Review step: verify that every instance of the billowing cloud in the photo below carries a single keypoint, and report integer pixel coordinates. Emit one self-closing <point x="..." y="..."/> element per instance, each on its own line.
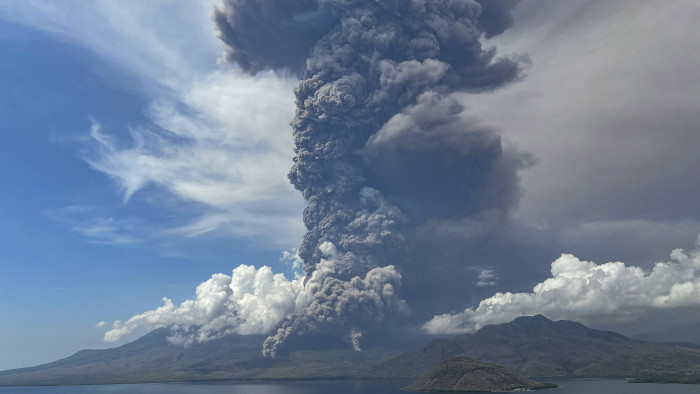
<point x="401" y="181"/>
<point x="373" y="111"/>
<point x="337" y="302"/>
<point x="275" y="34"/>
<point x="249" y="301"/>
<point x="589" y="292"/>
<point x="435" y="162"/>
<point x="256" y="301"/>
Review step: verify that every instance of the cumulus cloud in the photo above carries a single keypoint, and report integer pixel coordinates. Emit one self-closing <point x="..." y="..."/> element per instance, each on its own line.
<point x="256" y="301"/>
<point x="249" y="301"/>
<point x="589" y="292"/>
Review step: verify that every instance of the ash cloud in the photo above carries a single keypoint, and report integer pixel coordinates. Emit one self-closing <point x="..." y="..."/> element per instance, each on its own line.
<point x="273" y="34"/>
<point x="495" y="17"/>
<point x="381" y="146"/>
<point x="334" y="301"/>
<point x="254" y="301"/>
<point x="435" y="163"/>
<point x="355" y="336"/>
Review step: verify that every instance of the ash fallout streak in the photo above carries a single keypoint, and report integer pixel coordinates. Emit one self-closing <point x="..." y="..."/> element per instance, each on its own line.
<point x="381" y="145"/>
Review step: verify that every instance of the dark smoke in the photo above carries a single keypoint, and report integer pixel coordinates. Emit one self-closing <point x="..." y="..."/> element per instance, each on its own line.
<point x="495" y="17"/>
<point x="380" y="144"/>
<point x="274" y="34"/>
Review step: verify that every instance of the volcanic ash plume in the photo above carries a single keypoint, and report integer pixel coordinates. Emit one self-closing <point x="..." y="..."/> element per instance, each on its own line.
<point x="355" y="336"/>
<point x="365" y="67"/>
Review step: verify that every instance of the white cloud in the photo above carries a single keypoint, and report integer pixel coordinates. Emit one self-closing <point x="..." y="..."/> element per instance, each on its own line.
<point x="229" y="150"/>
<point x="100" y="324"/>
<point x="255" y="301"/>
<point x="163" y="42"/>
<point x="589" y="292"/>
<point x="107" y="230"/>
<point x="219" y="138"/>
<point x="250" y="301"/>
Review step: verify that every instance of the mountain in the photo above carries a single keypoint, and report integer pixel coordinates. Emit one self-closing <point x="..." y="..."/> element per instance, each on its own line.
<point x="152" y="358"/>
<point x="533" y="346"/>
<point x="538" y="347"/>
<point x="461" y="373"/>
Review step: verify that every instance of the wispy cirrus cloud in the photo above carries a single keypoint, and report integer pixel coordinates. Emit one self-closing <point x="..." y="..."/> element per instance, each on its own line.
<point x="218" y="147"/>
<point x="98" y="226"/>
<point x="144" y="37"/>
<point x="217" y="142"/>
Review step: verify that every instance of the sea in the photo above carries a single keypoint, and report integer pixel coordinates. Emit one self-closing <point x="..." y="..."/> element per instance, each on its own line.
<point x="569" y="386"/>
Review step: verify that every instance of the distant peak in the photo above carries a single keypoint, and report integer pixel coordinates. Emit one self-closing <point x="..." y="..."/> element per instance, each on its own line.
<point x="529" y="319"/>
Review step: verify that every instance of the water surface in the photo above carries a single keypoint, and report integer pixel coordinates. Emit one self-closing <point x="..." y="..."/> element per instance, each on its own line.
<point x="566" y="386"/>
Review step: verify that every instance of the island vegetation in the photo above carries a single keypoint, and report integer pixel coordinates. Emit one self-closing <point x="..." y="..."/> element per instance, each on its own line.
<point x="461" y="373"/>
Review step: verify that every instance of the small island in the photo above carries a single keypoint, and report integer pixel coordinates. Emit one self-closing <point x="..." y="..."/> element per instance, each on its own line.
<point x="677" y="376"/>
<point x="461" y="373"/>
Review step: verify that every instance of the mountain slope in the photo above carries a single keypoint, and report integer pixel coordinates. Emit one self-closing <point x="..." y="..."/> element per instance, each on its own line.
<point x="533" y="346"/>
<point x="538" y="347"/>
<point x="152" y="358"/>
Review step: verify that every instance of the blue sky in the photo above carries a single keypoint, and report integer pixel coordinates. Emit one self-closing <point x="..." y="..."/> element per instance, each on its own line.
<point x="76" y="249"/>
<point x="135" y="165"/>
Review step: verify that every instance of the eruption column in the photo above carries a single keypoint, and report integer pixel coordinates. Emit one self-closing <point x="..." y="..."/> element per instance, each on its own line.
<point x="374" y="74"/>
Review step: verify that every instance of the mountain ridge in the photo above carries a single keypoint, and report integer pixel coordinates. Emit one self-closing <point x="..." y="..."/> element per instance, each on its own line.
<point x="538" y="347"/>
<point x="532" y="345"/>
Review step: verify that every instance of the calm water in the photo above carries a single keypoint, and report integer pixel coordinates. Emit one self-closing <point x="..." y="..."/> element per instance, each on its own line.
<point x="569" y="386"/>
